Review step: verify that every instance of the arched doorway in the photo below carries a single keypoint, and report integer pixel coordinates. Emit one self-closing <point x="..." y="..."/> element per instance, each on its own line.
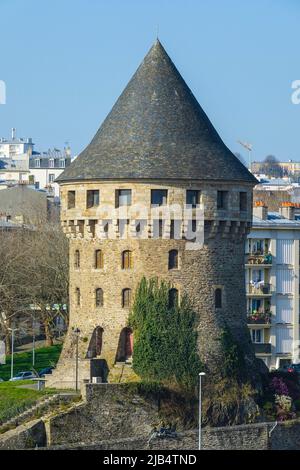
<point x="125" y="346"/>
<point x="95" y="346"/>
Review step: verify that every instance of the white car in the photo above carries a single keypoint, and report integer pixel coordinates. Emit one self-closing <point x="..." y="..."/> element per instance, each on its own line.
<point x="23" y="376"/>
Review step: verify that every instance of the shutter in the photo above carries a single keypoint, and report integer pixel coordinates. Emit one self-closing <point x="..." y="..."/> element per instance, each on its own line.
<point x="284" y="311"/>
<point x="284" y="251"/>
<point x="284" y="339"/>
<point x="285" y="281"/>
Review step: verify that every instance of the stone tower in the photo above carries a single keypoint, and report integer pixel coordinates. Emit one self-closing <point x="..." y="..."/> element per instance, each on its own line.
<point x="156" y="146"/>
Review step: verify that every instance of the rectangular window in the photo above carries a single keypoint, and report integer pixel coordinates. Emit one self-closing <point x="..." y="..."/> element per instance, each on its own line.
<point x="51" y="177"/>
<point x="71" y="199"/>
<point x="222" y="200"/>
<point x="123" y="197"/>
<point x="243" y="201"/>
<point x="92" y="198"/>
<point x="257" y="336"/>
<point x="192" y="197"/>
<point x="159" y="197"/>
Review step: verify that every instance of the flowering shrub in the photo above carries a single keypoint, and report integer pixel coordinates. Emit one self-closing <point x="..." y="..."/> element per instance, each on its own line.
<point x="279" y="387"/>
<point x="284" y="402"/>
<point x="257" y="316"/>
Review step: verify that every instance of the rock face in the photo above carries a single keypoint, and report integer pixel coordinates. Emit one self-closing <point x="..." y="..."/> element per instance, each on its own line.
<point x="157" y="138"/>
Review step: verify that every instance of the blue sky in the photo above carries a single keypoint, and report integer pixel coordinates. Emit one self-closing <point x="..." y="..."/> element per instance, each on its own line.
<point x="65" y="62"/>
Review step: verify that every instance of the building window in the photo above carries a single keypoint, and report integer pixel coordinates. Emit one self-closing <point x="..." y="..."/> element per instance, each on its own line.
<point x="218" y="298"/>
<point x="243" y="201"/>
<point x="37" y="185"/>
<point x="71" y="199"/>
<point x="99" y="297"/>
<point x="51" y="162"/>
<point x="92" y="198"/>
<point x="222" y="199"/>
<point x="173" y="298"/>
<point x="37" y="162"/>
<point x="173" y="259"/>
<point x="123" y="197"/>
<point x="257" y="336"/>
<point x="99" y="262"/>
<point x="159" y="197"/>
<point x="62" y="163"/>
<point x="51" y="177"/>
<point x="127" y="262"/>
<point x="193" y="197"/>
<point x="77" y="259"/>
<point x="78" y="297"/>
<point x="126" y="298"/>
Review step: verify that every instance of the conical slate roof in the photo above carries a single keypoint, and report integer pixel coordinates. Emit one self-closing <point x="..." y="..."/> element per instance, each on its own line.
<point x="157" y="130"/>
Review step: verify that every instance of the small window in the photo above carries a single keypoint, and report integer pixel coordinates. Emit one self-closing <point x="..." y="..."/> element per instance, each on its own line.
<point x="99" y="261"/>
<point x="243" y="201"/>
<point x="218" y="298"/>
<point x="51" y="178"/>
<point x="193" y="197"/>
<point x="77" y="259"/>
<point x="173" y="259"/>
<point x="256" y="336"/>
<point x="62" y="163"/>
<point x="71" y="199"/>
<point x="92" y="198"/>
<point x="173" y="298"/>
<point x="127" y="260"/>
<point x="37" y="162"/>
<point x="159" y="197"/>
<point x="222" y="199"/>
<point x="99" y="297"/>
<point x="78" y="296"/>
<point x="123" y="197"/>
<point x="126" y="298"/>
<point x="51" y="162"/>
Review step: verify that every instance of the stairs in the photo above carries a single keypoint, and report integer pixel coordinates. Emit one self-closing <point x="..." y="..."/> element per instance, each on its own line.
<point x="41" y="407"/>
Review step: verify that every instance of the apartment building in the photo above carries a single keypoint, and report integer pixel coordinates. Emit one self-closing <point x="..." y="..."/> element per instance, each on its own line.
<point x="272" y="284"/>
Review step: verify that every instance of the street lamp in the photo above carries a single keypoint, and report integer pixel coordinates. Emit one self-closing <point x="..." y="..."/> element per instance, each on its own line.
<point x="77" y="332"/>
<point x="201" y="374"/>
<point x="12" y="350"/>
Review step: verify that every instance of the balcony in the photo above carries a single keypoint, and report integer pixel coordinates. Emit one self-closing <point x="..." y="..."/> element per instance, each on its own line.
<point x="259" y="317"/>
<point x="259" y="258"/>
<point x="259" y="289"/>
<point x="262" y="348"/>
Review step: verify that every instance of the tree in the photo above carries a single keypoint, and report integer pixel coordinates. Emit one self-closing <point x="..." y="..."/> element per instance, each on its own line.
<point x="271" y="167"/>
<point x="165" y="339"/>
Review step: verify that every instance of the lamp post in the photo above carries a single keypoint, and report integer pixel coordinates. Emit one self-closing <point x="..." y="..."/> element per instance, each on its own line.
<point x="201" y="374"/>
<point x="12" y="350"/>
<point x="77" y="332"/>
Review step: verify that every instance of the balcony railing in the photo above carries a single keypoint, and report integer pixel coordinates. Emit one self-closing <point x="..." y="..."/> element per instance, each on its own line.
<point x="259" y="288"/>
<point x="259" y="258"/>
<point x="259" y="317"/>
<point x="262" y="348"/>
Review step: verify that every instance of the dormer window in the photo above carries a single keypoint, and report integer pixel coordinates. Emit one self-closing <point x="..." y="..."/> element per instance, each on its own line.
<point x="51" y="162"/>
<point x="37" y="162"/>
<point x="62" y="163"/>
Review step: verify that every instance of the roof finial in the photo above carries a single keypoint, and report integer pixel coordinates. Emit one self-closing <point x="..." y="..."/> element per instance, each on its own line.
<point x="157" y="31"/>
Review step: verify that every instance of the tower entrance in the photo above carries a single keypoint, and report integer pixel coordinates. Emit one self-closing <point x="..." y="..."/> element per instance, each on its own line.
<point x="125" y="346"/>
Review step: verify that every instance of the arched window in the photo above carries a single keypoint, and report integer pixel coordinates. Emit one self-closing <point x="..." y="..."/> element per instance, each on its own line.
<point x="218" y="298"/>
<point x="173" y="259"/>
<point x="99" y="262"/>
<point x="173" y="298"/>
<point x="78" y="296"/>
<point x="127" y="259"/>
<point x="99" y="297"/>
<point x="126" y="298"/>
<point x="77" y="259"/>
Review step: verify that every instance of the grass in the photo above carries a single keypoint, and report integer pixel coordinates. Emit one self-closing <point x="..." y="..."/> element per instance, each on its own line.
<point x="14" y="400"/>
<point x="44" y="357"/>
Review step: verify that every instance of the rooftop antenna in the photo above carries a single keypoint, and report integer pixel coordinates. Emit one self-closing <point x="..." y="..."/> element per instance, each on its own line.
<point x="249" y="147"/>
<point x="13" y="133"/>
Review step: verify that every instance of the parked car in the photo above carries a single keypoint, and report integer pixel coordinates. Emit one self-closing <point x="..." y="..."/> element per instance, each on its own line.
<point x="46" y="370"/>
<point x="292" y="368"/>
<point x="27" y="375"/>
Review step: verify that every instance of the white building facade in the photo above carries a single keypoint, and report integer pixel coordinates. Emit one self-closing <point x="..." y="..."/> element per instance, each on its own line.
<point x="272" y="285"/>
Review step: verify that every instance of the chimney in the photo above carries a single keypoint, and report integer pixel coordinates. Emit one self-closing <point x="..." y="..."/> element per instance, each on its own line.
<point x="287" y="210"/>
<point x="260" y="210"/>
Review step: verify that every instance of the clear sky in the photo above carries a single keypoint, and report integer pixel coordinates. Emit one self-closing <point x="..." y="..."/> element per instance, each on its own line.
<point x="65" y="62"/>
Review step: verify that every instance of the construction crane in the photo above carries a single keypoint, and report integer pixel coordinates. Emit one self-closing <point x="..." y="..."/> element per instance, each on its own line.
<point x="249" y="147"/>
